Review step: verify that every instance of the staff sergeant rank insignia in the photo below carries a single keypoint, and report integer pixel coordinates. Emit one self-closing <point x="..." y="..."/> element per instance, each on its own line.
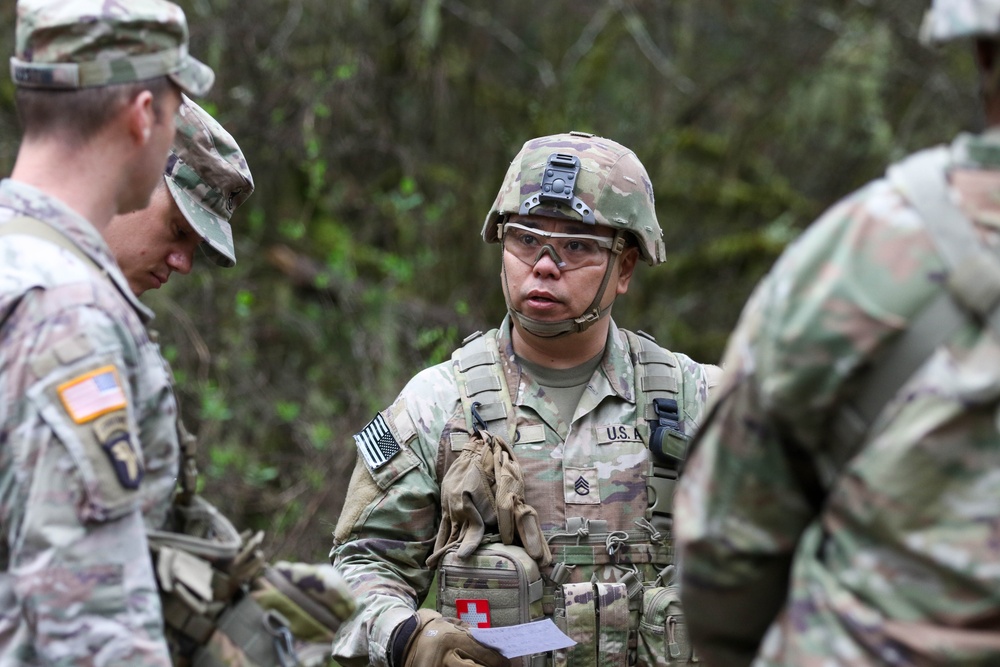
<point x="376" y="444"/>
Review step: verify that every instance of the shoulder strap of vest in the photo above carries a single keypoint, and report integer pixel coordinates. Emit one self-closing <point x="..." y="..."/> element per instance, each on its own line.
<point x="481" y="384"/>
<point x="32" y="227"/>
<point x="27" y="226"/>
<point x="657" y="375"/>
<point x="659" y="389"/>
<point x="973" y="289"/>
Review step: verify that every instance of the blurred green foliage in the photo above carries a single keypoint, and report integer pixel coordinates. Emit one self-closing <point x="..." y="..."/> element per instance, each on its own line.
<point x="378" y="133"/>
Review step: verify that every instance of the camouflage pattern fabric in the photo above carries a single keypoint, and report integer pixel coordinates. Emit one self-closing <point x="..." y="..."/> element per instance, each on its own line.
<point x="611" y="182"/>
<point x="86" y="43"/>
<point x="312" y="597"/>
<point x="90" y="453"/>
<point x="592" y="476"/>
<point x="208" y="178"/>
<point x="953" y="19"/>
<point x="898" y="566"/>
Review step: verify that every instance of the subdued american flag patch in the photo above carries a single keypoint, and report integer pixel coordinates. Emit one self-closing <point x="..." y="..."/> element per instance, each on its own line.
<point x="376" y="443"/>
<point x="92" y="394"/>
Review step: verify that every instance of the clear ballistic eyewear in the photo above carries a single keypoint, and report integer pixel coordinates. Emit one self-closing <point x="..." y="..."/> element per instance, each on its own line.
<point x="568" y="251"/>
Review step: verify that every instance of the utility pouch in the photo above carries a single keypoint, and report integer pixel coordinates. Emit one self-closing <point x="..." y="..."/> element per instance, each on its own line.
<point x="663" y="633"/>
<point x="247" y="636"/>
<point x="576" y="615"/>
<point x="596" y="617"/>
<point x="202" y="567"/>
<point x="313" y="598"/>
<point x="498" y="585"/>
<point x="612" y="624"/>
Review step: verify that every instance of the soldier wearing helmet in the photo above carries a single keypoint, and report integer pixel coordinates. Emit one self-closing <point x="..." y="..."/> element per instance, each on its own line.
<point x="840" y="505"/>
<point x="586" y="423"/>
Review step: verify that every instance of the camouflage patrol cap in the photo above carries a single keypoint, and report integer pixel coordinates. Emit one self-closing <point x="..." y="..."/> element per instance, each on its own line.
<point x="956" y="19"/>
<point x="67" y="44"/>
<point x="611" y="188"/>
<point x="208" y="178"/>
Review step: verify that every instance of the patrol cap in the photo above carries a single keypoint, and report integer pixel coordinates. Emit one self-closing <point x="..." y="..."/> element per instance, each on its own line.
<point x="208" y="178"/>
<point x="69" y="44"/>
<point x="955" y="19"/>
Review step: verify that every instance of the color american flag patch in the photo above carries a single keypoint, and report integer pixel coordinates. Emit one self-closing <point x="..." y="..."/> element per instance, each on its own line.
<point x="376" y="443"/>
<point x="93" y="394"/>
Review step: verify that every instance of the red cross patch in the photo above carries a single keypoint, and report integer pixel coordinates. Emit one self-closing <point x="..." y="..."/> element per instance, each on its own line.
<point x="476" y="613"/>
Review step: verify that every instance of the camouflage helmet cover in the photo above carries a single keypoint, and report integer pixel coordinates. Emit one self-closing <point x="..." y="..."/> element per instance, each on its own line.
<point x="208" y="178"/>
<point x="956" y="19"/>
<point x="612" y="184"/>
<point x="67" y="44"/>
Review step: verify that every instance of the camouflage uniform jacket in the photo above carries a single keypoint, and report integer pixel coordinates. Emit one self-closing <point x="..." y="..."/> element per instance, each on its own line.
<point x="89" y="450"/>
<point x="899" y="563"/>
<point x="381" y="550"/>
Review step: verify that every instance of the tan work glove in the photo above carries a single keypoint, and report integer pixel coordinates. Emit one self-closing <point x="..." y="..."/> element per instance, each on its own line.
<point x="468" y="504"/>
<point x="512" y="512"/>
<point x="484" y="490"/>
<point x="439" y="641"/>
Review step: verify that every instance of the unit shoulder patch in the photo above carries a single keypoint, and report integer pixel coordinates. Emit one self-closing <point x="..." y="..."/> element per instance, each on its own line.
<point x="113" y="436"/>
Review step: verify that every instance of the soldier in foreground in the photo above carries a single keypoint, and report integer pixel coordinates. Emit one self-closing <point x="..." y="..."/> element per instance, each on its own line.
<point x="591" y="416"/>
<point x="87" y="421"/>
<point x="841" y="504"/>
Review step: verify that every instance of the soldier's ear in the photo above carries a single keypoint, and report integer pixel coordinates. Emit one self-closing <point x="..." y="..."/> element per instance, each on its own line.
<point x="629" y="258"/>
<point x="140" y="115"/>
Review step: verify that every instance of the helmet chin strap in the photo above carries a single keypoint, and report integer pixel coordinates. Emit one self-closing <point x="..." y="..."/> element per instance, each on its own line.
<point x="590" y="316"/>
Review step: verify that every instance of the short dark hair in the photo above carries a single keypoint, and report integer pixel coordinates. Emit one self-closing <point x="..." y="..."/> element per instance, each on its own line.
<point x="78" y="114"/>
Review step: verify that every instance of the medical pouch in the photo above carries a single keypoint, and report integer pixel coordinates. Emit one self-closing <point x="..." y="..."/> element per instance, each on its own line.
<point x="498" y="585"/>
<point x="663" y="633"/>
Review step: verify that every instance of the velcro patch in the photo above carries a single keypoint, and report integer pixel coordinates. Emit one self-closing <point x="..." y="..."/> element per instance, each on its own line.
<point x="610" y="433"/>
<point x="114" y="437"/>
<point x="376" y="444"/>
<point x="92" y="394"/>
<point x="581" y="486"/>
<point x="476" y="613"/>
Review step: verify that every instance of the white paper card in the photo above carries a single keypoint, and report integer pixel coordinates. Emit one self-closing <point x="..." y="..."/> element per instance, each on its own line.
<point x="516" y="640"/>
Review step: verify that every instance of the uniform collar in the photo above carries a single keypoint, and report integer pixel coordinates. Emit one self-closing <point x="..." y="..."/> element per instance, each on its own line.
<point x="614" y="375"/>
<point x="34" y="203"/>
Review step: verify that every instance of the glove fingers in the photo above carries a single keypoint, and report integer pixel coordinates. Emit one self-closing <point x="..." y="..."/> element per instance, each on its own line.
<point x="473" y="532"/>
<point x="531" y="535"/>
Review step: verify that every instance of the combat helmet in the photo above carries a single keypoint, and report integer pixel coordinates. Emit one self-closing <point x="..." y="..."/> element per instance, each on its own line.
<point x="611" y="189"/>
<point x="582" y="177"/>
<point x="956" y="19"/>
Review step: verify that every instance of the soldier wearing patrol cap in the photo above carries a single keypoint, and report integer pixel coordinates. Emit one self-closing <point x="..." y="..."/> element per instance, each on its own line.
<point x="205" y="181"/>
<point x="583" y="424"/>
<point x="87" y="416"/>
<point x="840" y="505"/>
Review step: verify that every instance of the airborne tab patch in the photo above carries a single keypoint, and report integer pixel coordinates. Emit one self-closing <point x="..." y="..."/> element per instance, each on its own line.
<point x="376" y="443"/>
<point x="92" y="394"/>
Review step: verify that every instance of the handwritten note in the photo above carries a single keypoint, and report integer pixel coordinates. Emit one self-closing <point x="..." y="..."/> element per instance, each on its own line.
<point x="516" y="640"/>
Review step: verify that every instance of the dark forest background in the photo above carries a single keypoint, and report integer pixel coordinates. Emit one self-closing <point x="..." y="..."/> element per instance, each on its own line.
<point x="378" y="132"/>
